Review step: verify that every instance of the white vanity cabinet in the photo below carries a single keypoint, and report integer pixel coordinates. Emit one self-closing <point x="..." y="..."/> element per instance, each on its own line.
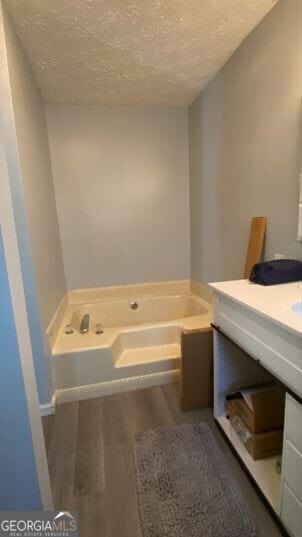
<point x="291" y="477"/>
<point x="257" y="326"/>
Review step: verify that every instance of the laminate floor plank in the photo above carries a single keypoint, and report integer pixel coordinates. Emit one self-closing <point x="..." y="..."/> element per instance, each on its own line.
<point x="93" y="518"/>
<point x="149" y="410"/>
<point x="117" y="420"/>
<point x="47" y="424"/>
<point x="120" y="498"/>
<point x="89" y="464"/>
<point x="61" y="455"/>
<point x="171" y="394"/>
<point x="91" y="449"/>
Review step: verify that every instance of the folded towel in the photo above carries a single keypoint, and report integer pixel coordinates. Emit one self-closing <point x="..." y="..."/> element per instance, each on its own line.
<point x="277" y="271"/>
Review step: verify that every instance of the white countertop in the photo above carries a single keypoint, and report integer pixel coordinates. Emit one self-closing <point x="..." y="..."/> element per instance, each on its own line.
<point x="274" y="302"/>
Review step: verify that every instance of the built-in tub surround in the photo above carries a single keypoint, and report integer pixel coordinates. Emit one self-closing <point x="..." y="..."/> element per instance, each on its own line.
<point x="136" y="346"/>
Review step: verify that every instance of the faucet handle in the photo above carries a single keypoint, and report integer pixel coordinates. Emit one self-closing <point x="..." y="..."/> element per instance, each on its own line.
<point x="99" y="329"/>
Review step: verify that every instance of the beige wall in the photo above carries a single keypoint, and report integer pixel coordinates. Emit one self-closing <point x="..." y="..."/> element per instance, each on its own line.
<point x="246" y="149"/>
<point x="36" y="175"/>
<point x="122" y="189"/>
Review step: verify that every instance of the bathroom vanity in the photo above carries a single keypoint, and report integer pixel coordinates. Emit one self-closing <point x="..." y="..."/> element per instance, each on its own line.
<point x="257" y="337"/>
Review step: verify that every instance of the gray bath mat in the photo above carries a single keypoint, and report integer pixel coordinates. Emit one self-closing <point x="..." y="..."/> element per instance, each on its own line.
<point x="185" y="487"/>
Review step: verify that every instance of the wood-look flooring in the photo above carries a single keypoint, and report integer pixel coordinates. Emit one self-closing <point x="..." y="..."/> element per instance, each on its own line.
<point x="90" y="454"/>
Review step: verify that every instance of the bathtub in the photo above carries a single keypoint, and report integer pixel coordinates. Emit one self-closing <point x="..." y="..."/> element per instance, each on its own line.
<point x="133" y="339"/>
<point x="124" y="312"/>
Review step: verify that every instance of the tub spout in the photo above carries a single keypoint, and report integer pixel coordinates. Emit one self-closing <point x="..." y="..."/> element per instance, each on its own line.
<point x="84" y="328"/>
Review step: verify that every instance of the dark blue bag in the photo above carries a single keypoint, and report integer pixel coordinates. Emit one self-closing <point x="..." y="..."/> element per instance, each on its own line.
<point x="277" y="271"/>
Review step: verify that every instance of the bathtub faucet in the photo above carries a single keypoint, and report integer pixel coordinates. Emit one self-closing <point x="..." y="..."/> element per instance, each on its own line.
<point x="84" y="328"/>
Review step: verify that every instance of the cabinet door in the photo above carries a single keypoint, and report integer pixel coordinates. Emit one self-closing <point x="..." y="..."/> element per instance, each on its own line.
<point x="291" y="495"/>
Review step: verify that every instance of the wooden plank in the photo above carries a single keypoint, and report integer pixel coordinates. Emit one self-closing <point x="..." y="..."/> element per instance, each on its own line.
<point x="256" y="242"/>
<point x="61" y="456"/>
<point x="93" y="516"/>
<point x="118" y="423"/>
<point x="47" y="423"/>
<point x="89" y="465"/>
<point x="120" y="500"/>
<point x="149" y="409"/>
<point x="196" y="369"/>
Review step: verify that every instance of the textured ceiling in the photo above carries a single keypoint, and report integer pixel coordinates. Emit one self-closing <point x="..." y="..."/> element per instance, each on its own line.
<point x="130" y="52"/>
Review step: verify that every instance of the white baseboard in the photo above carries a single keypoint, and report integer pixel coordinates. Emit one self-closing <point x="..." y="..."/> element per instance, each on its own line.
<point x="115" y="386"/>
<point x="49" y="408"/>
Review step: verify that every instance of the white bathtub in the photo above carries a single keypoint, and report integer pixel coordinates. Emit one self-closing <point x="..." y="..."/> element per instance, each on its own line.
<point x="138" y="347"/>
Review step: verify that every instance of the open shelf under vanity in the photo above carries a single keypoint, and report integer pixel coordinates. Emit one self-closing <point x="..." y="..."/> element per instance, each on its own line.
<point x="263" y="471"/>
<point x="235" y="369"/>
